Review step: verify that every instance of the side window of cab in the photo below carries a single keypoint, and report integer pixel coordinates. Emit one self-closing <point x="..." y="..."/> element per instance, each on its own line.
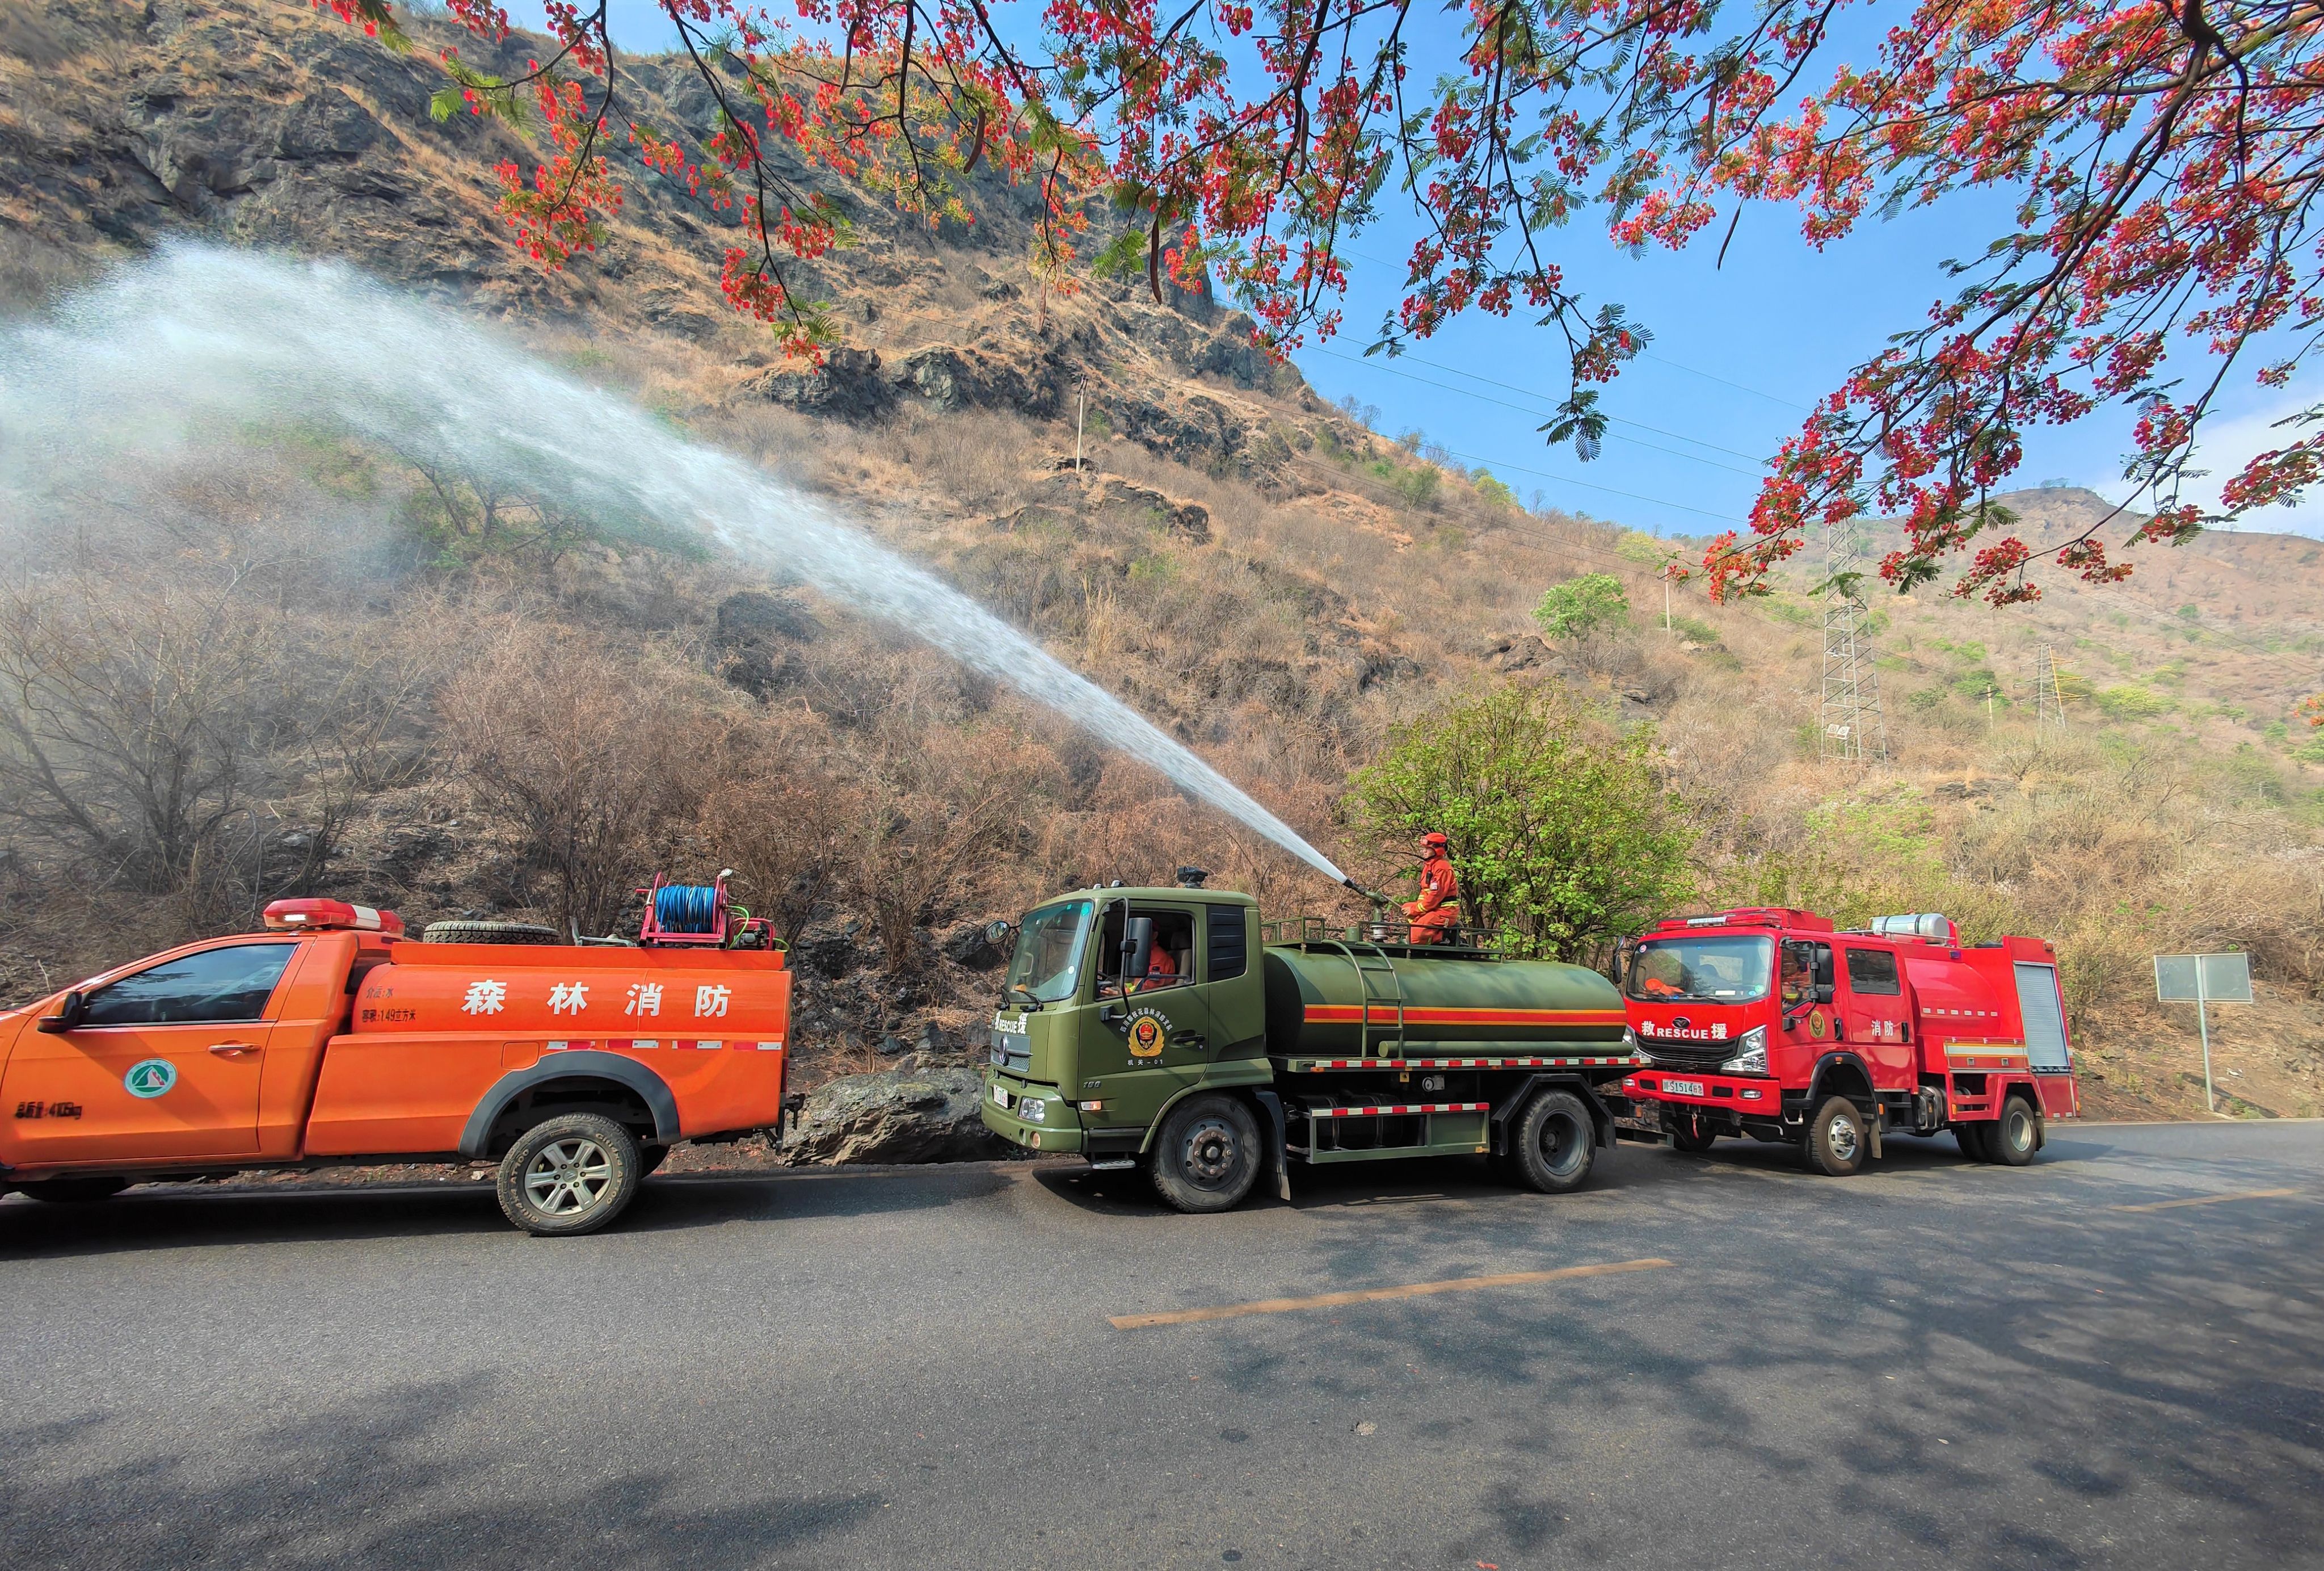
<point x="1872" y="973"/>
<point x="212" y="987"/>
<point x="1173" y="962"/>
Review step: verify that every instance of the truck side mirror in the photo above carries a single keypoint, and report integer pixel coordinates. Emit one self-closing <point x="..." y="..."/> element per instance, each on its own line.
<point x="68" y="1015"/>
<point x="1137" y="950"/>
<point x="1824" y="992"/>
<point x="997" y="931"/>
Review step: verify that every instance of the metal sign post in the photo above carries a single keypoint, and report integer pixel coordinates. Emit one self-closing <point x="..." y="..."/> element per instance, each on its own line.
<point x="2203" y="980"/>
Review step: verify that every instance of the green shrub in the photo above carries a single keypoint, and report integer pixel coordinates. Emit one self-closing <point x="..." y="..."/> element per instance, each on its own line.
<point x="1581" y="608"/>
<point x="1568" y="841"/>
<point x="2131" y="701"/>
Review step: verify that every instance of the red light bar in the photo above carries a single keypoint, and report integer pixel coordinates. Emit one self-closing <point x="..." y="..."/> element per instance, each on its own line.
<point x="291" y="916"/>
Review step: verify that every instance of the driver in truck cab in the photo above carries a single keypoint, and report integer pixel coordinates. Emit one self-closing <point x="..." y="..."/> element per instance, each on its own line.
<point x="1161" y="971"/>
<point x="1437" y="912"/>
<point x="1797" y="985"/>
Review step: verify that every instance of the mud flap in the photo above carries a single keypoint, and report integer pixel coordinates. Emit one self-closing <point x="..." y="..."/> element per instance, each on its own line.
<point x="1880" y="1119"/>
<point x="1277" y="1157"/>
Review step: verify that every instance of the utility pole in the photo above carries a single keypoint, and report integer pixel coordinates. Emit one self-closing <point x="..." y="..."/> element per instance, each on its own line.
<point x="1853" y="728"/>
<point x="2049" y="708"/>
<point x="1081" y="408"/>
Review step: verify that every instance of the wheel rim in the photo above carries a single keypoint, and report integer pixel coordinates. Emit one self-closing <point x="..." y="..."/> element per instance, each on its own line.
<point x="568" y="1176"/>
<point x="1843" y="1138"/>
<point x="2020" y="1131"/>
<point x="1562" y="1146"/>
<point x="1211" y="1154"/>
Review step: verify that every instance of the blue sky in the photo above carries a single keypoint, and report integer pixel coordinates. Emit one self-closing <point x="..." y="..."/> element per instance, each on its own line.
<point x="1740" y="353"/>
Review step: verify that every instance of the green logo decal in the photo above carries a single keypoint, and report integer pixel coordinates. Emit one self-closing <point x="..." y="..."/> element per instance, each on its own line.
<point x="150" y="1079"/>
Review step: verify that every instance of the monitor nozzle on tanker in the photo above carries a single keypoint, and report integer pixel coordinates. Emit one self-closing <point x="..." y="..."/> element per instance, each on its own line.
<point x="1381" y="903"/>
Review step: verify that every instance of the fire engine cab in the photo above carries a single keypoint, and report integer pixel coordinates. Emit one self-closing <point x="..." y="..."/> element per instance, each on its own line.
<point x="1767" y="1023"/>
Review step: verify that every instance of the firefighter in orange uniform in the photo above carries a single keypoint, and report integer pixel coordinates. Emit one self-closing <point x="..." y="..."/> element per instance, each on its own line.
<point x="1161" y="971"/>
<point x="1437" y="912"/>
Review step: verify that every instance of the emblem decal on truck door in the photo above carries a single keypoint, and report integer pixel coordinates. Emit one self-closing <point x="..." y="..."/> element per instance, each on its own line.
<point x="150" y="1079"/>
<point x="1146" y="1030"/>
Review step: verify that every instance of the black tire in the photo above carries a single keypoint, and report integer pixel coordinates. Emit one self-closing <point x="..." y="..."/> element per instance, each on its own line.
<point x="2012" y="1142"/>
<point x="1838" y="1142"/>
<point x="74" y="1191"/>
<point x="1208" y="1155"/>
<point x="1691" y="1132"/>
<point x="569" y="1175"/>
<point x="1553" y="1143"/>
<point x="488" y="933"/>
<point x="1970" y="1138"/>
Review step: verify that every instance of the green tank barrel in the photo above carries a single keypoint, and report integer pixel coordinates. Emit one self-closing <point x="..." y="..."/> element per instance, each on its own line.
<point x="1332" y="999"/>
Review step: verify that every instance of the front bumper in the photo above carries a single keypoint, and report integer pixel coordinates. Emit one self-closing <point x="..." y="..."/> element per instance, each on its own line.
<point x="1753" y="1095"/>
<point x="1057" y="1130"/>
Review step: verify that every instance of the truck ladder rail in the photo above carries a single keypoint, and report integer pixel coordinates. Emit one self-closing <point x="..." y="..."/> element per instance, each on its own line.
<point x="1366" y="976"/>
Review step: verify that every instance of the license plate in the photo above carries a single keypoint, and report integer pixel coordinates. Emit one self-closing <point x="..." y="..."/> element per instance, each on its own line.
<point x="1000" y="1094"/>
<point x="1684" y="1088"/>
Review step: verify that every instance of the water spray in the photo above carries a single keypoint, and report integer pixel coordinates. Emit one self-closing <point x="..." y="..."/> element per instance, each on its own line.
<point x="165" y="351"/>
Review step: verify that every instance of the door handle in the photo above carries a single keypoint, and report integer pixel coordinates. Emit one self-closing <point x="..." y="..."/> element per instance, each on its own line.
<point x="1187" y="1040"/>
<point x="232" y="1050"/>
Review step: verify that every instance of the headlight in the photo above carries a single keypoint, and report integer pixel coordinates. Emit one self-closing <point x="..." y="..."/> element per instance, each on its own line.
<point x="1753" y="1058"/>
<point x="1033" y="1109"/>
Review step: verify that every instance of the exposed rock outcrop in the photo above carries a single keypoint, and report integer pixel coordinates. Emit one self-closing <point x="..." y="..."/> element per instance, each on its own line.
<point x="905" y="1115"/>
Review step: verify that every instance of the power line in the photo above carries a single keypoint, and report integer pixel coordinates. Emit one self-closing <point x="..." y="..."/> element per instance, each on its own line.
<point x="1504" y="403"/>
<point x="1568" y="480"/>
<point x="1723" y="382"/>
<point x="1644" y="354"/>
<point x="1533" y="393"/>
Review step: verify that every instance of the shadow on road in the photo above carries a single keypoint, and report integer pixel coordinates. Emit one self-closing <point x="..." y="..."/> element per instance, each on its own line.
<point x="188" y="1216"/>
<point x="375" y="1483"/>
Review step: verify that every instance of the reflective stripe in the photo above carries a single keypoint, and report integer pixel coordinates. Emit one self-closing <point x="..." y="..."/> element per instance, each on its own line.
<point x="1398" y="1108"/>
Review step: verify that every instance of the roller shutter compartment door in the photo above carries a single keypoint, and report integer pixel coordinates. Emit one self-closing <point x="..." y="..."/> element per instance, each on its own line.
<point x="2045" y="1018"/>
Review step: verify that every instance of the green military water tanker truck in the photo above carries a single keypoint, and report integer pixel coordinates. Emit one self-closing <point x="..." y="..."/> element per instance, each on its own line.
<point x="1170" y="1030"/>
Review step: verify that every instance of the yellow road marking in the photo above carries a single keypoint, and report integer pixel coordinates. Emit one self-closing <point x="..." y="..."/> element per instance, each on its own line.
<point x="2210" y="1199"/>
<point x="1375" y="1295"/>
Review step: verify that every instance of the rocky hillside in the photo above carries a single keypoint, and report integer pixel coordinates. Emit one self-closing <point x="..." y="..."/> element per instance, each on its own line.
<point x="1267" y="580"/>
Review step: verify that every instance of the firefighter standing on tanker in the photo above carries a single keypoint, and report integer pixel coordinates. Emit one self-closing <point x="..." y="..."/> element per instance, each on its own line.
<point x="1437" y="912"/>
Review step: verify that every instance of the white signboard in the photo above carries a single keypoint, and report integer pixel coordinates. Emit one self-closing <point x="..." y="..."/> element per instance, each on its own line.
<point x="2203" y="978"/>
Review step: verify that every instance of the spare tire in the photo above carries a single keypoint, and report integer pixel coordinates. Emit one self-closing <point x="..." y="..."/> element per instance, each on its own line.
<point x="488" y="933"/>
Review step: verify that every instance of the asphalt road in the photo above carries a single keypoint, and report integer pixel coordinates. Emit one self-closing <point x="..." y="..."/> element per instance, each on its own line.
<point x="2115" y="1357"/>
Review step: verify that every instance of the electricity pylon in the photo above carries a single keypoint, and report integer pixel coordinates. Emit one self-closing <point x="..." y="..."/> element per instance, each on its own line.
<point x="1853" y="727"/>
<point x="2049" y="708"/>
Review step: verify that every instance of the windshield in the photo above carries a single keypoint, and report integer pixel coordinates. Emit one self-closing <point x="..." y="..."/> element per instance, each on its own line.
<point x="1047" y="962"/>
<point x="1727" y="969"/>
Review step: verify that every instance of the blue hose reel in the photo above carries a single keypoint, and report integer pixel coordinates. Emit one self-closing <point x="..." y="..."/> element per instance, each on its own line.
<point x="686" y="907"/>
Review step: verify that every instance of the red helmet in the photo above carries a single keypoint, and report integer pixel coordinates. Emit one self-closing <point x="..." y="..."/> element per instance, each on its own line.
<point x="1434" y="838"/>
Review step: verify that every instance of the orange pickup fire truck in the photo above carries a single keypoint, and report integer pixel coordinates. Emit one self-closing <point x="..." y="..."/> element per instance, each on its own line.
<point x="330" y="1037"/>
<point x="1768" y="1023"/>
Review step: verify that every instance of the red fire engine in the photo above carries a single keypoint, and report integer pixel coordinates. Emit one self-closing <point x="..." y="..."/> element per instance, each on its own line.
<point x="1766" y="1022"/>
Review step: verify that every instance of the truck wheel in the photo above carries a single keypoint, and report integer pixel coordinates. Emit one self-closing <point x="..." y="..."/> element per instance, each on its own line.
<point x="569" y="1175"/>
<point x="1970" y="1138"/>
<point x="488" y="933"/>
<point x="74" y="1191"/>
<point x="1555" y="1142"/>
<point x="2012" y="1141"/>
<point x="1836" y="1142"/>
<point x="1691" y="1133"/>
<point x="1207" y="1156"/>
